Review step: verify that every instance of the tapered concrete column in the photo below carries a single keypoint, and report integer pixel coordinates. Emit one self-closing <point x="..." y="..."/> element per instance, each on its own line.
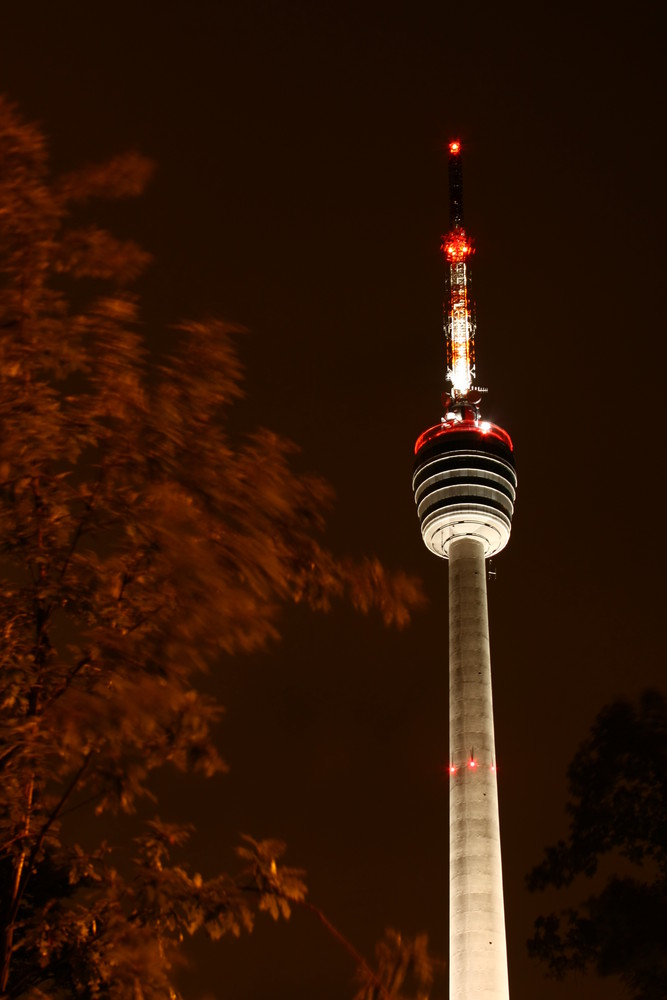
<point x="478" y="952"/>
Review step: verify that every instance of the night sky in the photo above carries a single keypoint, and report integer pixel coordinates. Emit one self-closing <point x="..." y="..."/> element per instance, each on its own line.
<point x="301" y="191"/>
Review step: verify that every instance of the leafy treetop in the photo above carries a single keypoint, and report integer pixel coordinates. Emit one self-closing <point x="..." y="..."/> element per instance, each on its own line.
<point x="618" y="813"/>
<point x="139" y="544"/>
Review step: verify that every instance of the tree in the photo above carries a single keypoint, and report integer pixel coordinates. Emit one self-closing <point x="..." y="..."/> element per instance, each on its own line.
<point x="139" y="546"/>
<point x="618" y="814"/>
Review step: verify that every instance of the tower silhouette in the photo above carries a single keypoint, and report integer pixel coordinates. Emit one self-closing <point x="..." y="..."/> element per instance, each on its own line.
<point x="464" y="484"/>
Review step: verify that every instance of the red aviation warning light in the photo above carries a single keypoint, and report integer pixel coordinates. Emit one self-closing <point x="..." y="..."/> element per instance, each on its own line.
<point x="455" y="146"/>
<point x="456" y="246"/>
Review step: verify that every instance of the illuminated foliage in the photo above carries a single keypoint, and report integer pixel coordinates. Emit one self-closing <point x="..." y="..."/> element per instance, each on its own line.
<point x="403" y="964"/>
<point x="139" y="545"/>
<point x="618" y="819"/>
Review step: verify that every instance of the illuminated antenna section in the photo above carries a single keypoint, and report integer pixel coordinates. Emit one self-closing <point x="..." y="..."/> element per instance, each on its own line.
<point x="459" y="318"/>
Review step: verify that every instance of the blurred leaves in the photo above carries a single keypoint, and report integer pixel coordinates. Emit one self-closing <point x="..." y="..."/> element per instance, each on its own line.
<point x="401" y="964"/>
<point x="140" y="544"/>
<point x="124" y="176"/>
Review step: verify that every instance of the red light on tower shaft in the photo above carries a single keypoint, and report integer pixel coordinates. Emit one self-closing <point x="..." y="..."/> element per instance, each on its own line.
<point x="457" y="246"/>
<point x="455" y="147"/>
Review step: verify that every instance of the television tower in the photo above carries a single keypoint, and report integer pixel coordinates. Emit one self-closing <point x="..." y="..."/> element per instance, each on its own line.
<point x="464" y="484"/>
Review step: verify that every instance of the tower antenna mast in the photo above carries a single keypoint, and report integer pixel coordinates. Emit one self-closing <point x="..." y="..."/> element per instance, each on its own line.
<point x="465" y="485"/>
<point x="459" y="311"/>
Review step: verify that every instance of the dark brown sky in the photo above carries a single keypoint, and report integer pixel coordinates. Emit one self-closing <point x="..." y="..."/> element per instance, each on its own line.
<point x="302" y="191"/>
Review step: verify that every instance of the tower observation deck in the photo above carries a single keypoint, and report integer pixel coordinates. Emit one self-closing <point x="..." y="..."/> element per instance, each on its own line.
<point x="465" y="485"/>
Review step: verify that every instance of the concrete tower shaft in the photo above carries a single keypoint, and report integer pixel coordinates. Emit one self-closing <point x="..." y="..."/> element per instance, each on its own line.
<point x="478" y="952"/>
<point x="464" y="484"/>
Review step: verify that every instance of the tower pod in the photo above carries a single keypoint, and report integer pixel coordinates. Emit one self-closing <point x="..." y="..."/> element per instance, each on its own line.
<point x="464" y="484"/>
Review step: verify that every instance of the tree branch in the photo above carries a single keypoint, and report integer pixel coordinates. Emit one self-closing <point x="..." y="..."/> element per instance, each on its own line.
<point x="350" y="949"/>
<point x="26" y="870"/>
